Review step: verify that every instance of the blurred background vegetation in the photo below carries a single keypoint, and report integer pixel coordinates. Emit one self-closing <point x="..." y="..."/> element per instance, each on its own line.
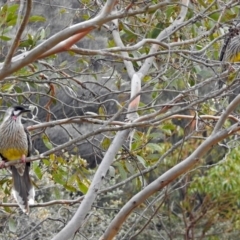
<point x="201" y="204"/>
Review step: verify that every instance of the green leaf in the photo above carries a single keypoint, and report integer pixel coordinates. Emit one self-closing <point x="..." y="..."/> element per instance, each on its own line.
<point x="12" y="22"/>
<point x="8" y="209"/>
<point x="62" y="10"/>
<point x="20" y="99"/>
<point x="63" y="64"/>
<point x="5" y="38"/>
<point x="130" y="167"/>
<point x="37" y="170"/>
<point x="155" y="32"/>
<point x="153" y="156"/>
<point x="154" y="135"/>
<point x="46" y="142"/>
<point x="102" y="111"/>
<point x="168" y="126"/>
<point x="46" y="162"/>
<point x="7" y="87"/>
<point x="58" y="178"/>
<point x="12" y="8"/>
<point x="42" y="34"/>
<point x="111" y="44"/>
<point x="12" y="224"/>
<point x="147" y="78"/>
<point x="61" y="160"/>
<point x="5" y="200"/>
<point x="142" y="161"/>
<point x="105" y="143"/>
<point x="71" y="53"/>
<point x="37" y="19"/>
<point x="18" y="89"/>
<point x="82" y="187"/>
<point x="85" y="16"/>
<point x="121" y="170"/>
<point x="154" y="147"/>
<point x="70" y="188"/>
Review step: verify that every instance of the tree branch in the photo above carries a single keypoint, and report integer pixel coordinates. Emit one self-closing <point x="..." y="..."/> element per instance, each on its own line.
<point x="28" y="57"/>
<point x="119" y="43"/>
<point x="225" y="114"/>
<point x="168" y="177"/>
<point x="66" y="44"/>
<point x="16" y="40"/>
<point x="77" y="220"/>
<point x="164" y="34"/>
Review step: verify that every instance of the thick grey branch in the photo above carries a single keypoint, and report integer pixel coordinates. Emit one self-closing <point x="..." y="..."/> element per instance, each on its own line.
<point x="77" y="220"/>
<point x="225" y="114"/>
<point x="165" y="179"/>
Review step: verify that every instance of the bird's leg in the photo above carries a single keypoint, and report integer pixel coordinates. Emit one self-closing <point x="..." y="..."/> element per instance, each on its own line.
<point x="2" y="164"/>
<point x="23" y="158"/>
<point x="21" y="166"/>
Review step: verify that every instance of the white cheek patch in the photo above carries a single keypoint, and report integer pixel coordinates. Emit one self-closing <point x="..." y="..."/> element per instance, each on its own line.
<point x="16" y="113"/>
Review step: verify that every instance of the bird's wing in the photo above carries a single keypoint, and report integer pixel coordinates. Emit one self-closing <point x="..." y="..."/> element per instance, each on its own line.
<point x="29" y="142"/>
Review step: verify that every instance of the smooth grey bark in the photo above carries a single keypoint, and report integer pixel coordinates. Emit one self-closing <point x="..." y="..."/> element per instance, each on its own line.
<point x="84" y="208"/>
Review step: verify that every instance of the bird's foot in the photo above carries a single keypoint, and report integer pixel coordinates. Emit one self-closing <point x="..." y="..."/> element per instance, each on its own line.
<point x="2" y="164"/>
<point x="23" y="159"/>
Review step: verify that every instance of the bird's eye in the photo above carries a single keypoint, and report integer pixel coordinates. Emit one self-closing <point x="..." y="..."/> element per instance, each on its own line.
<point x="16" y="113"/>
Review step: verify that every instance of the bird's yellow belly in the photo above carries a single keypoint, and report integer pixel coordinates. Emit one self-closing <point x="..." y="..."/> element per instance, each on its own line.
<point x="12" y="154"/>
<point x="236" y="58"/>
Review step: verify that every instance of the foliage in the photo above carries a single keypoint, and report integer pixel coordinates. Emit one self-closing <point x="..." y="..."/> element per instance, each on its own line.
<point x="80" y="93"/>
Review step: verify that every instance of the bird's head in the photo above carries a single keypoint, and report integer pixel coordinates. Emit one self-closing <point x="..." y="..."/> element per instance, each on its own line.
<point x="15" y="112"/>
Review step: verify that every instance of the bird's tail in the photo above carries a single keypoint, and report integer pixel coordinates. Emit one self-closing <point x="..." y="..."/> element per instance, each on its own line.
<point x="23" y="190"/>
